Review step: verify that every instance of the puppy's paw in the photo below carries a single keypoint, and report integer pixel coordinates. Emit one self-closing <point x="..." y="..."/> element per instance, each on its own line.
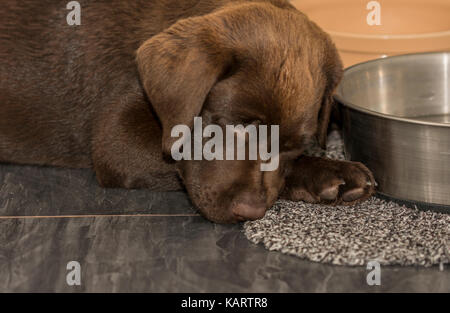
<point x="320" y="180"/>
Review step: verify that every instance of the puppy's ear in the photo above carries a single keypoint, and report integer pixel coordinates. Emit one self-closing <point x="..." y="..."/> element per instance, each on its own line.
<point x="333" y="73"/>
<point x="178" y="68"/>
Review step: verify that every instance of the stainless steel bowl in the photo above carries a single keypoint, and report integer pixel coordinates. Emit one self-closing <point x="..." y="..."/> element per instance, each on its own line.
<point x="396" y="120"/>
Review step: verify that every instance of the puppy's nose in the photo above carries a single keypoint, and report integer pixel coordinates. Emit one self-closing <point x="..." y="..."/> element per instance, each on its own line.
<point x="248" y="208"/>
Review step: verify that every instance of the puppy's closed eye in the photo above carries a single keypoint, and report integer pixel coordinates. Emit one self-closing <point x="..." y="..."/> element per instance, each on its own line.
<point x="223" y="121"/>
<point x="254" y="122"/>
<point x="292" y="154"/>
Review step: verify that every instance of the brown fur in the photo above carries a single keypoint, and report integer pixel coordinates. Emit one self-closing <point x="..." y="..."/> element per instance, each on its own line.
<point x="106" y="94"/>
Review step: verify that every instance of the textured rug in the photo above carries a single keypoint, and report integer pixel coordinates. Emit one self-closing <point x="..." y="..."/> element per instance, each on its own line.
<point x="375" y="230"/>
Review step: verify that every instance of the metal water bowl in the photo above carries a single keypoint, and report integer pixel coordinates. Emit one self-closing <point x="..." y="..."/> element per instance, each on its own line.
<point x="396" y="120"/>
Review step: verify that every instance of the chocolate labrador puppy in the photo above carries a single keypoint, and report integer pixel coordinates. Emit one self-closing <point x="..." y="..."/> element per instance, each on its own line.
<point x="105" y="95"/>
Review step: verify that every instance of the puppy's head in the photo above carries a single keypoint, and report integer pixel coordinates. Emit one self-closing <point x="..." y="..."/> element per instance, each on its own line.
<point x="248" y="64"/>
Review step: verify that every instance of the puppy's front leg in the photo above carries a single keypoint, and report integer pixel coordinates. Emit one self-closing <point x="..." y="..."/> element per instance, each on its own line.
<point x="321" y="180"/>
<point x="126" y="149"/>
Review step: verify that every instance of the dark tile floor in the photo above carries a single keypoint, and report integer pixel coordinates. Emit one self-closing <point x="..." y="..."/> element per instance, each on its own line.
<point x="136" y="240"/>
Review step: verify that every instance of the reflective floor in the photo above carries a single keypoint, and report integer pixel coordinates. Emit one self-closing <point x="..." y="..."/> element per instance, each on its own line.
<point x="136" y="240"/>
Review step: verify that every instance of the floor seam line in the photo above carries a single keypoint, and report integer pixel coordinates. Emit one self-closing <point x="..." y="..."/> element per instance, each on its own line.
<point x="97" y="215"/>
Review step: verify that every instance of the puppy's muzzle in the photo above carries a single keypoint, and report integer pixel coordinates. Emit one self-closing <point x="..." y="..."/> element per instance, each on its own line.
<point x="248" y="207"/>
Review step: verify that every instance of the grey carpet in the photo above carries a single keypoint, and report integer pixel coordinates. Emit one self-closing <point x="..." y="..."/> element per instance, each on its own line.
<point x="375" y="230"/>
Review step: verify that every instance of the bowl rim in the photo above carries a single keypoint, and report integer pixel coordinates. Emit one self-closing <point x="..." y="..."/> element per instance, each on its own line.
<point x="348" y="104"/>
<point x="413" y="36"/>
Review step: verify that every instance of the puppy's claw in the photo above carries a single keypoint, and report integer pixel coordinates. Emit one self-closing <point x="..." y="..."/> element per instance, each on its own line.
<point x="353" y="194"/>
<point x="330" y="182"/>
<point x="329" y="193"/>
